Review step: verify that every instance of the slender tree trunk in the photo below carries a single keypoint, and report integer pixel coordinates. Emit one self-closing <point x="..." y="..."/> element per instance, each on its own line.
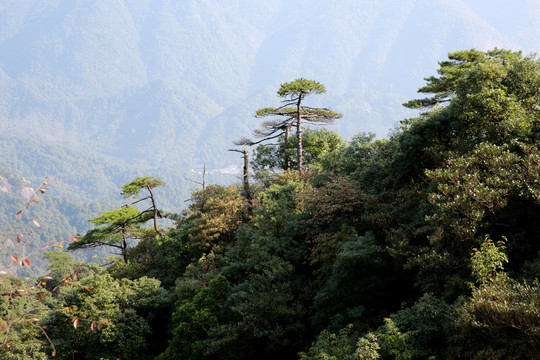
<point x="246" y="176"/>
<point x="124" y="245"/>
<point x="156" y="211"/>
<point x="299" y="148"/>
<point x="286" y="146"/>
<point x="204" y="177"/>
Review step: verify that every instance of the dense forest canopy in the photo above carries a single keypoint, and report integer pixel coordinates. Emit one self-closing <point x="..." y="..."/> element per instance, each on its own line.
<point x="424" y="245"/>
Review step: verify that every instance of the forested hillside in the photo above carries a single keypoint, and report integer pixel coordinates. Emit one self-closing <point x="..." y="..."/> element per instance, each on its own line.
<point x="423" y="245"/>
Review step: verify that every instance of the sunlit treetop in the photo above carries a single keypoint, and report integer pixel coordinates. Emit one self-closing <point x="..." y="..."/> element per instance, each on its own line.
<point x="301" y="87"/>
<point x="454" y="70"/>
<point x="116" y="216"/>
<point x="133" y="188"/>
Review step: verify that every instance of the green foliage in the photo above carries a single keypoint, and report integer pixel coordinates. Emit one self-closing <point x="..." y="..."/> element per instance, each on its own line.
<point x="133" y="188"/>
<point x="120" y="225"/>
<point x="503" y="318"/>
<point x="452" y="71"/>
<point x="63" y="267"/>
<point x="331" y="218"/>
<point x="278" y="207"/>
<point x="373" y="288"/>
<point x="487" y="260"/>
<point x="318" y="145"/>
<point x="214" y="215"/>
<point x="430" y="325"/>
<point x="394" y="342"/>
<point x="367" y="348"/>
<point x="301" y="87"/>
<point x="263" y="314"/>
<point x="193" y="319"/>
<point x="21" y="313"/>
<point x="329" y="346"/>
<point x="108" y="318"/>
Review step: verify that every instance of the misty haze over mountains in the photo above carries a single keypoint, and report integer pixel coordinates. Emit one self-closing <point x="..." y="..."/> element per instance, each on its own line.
<point x="165" y="80"/>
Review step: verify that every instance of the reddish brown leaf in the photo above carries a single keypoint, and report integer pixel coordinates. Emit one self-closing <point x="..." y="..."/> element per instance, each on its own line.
<point x="93" y="326"/>
<point x="15" y="258"/>
<point x="40" y="296"/>
<point x="26" y="262"/>
<point x="19" y="212"/>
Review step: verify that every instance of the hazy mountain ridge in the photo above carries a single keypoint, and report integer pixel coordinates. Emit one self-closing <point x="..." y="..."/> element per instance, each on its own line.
<point x="173" y="83"/>
<point x="137" y="78"/>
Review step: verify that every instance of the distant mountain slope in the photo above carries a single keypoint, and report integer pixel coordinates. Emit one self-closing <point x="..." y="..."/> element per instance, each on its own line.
<point x="162" y="81"/>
